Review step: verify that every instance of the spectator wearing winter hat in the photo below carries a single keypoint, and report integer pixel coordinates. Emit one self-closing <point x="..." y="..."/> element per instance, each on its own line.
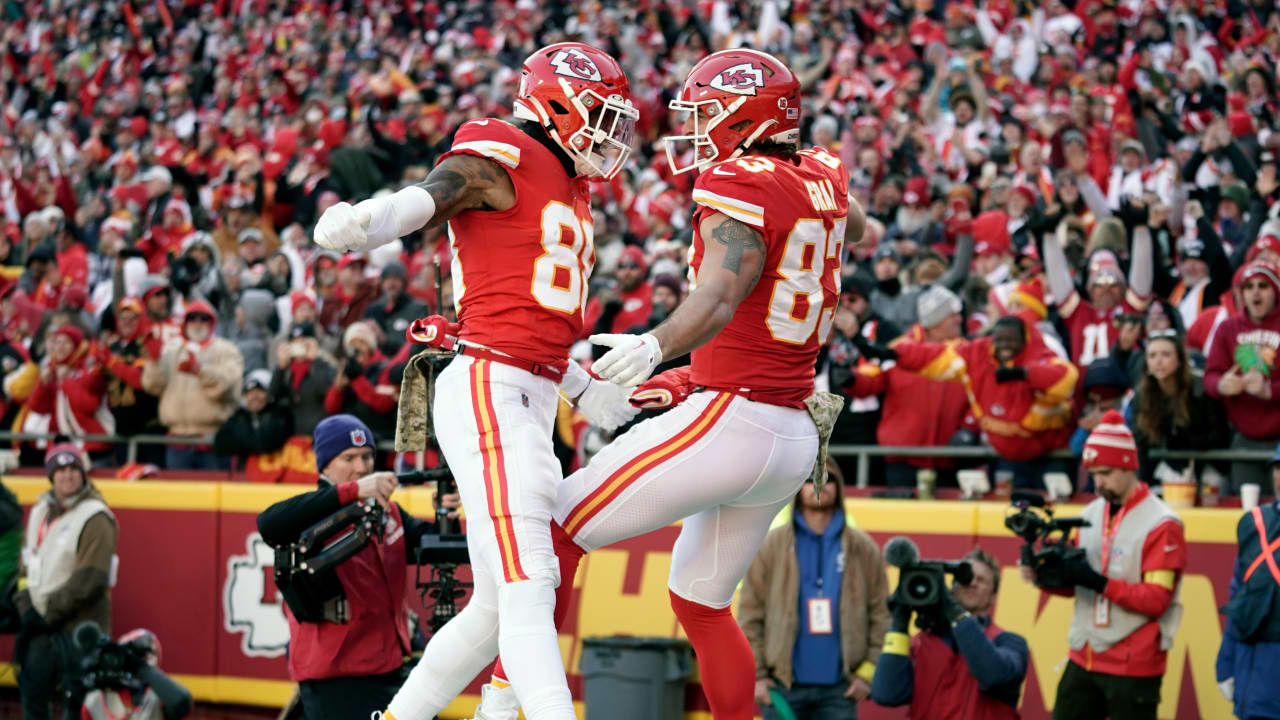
<point x="395" y="310"/>
<point x="159" y="324"/>
<point x="1115" y="668"/>
<point x="72" y="391"/>
<point x="615" y="310"/>
<point x="363" y="386"/>
<point x="916" y="410"/>
<point x="1106" y="387"/>
<point x="351" y="668"/>
<point x="993" y="249"/>
<point x="194" y="272"/>
<point x="1204" y="273"/>
<point x="135" y="410"/>
<point x="348" y="298"/>
<point x="158" y="182"/>
<point x="303" y="373"/>
<point x="260" y="426"/>
<point x="62" y="584"/>
<point x="1092" y="323"/>
<point x="197" y="378"/>
<point x="913" y="226"/>
<point x="1241" y="369"/>
<point x="166" y="240"/>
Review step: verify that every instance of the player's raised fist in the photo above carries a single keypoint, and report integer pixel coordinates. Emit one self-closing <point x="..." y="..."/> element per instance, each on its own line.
<point x="342" y="228"/>
<point x="631" y="361"/>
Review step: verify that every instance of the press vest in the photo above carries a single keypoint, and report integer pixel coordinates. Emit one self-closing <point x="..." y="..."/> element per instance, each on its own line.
<point x="51" y="560"/>
<point x="1125" y="548"/>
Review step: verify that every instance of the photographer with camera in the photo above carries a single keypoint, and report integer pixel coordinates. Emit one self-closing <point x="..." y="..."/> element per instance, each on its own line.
<point x="348" y="650"/>
<point x="67" y="556"/>
<point x="1125" y="584"/>
<point x="961" y="664"/>
<point x="123" y="680"/>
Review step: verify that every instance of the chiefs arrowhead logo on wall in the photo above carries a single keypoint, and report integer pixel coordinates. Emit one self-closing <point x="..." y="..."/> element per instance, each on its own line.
<point x="251" y="605"/>
<point x="742" y="79"/>
<point x="572" y="62"/>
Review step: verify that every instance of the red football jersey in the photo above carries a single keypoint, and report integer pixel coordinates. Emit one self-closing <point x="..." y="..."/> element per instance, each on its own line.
<point x="771" y="344"/>
<point x="520" y="275"/>
<point x="1094" y="331"/>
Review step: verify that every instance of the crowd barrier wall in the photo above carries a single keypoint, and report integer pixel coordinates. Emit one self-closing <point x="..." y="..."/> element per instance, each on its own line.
<point x="193" y="569"/>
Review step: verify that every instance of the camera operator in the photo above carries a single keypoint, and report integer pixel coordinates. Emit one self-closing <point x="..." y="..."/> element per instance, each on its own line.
<point x="350" y="666"/>
<point x="962" y="664"/>
<point x="1126" y="587"/>
<point x="65" y="580"/>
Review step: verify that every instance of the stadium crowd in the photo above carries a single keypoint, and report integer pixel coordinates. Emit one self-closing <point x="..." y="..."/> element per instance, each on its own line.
<point x="1071" y="209"/>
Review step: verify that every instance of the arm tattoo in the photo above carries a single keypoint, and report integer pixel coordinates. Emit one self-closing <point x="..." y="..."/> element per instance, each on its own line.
<point x="460" y="183"/>
<point x="737" y="239"/>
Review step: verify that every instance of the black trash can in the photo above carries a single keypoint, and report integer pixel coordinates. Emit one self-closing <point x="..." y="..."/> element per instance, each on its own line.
<point x="634" y="678"/>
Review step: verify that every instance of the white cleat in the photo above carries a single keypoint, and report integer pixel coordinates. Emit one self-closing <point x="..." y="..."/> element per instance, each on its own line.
<point x="497" y="703"/>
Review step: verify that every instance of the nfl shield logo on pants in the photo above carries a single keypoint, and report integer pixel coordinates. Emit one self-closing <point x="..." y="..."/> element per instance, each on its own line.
<point x="358" y="438"/>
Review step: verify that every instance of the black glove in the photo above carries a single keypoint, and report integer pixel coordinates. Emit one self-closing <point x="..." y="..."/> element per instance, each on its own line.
<point x="1079" y="572"/>
<point x="901" y="614"/>
<point x="353" y="369"/>
<point x="873" y="351"/>
<point x="951" y="609"/>
<point x="1009" y="374"/>
<point x="33" y="622"/>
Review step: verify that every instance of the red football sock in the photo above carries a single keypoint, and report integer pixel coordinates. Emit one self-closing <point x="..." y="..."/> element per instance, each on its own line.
<point x="568" y="553"/>
<point x="724" y="658"/>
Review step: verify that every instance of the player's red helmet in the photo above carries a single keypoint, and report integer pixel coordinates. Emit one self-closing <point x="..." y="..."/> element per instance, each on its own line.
<point x="736" y="97"/>
<point x="580" y="95"/>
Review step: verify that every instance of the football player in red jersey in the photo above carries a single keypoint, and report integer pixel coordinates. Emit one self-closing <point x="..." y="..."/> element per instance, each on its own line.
<point x="517" y="203"/>
<point x="769" y="226"/>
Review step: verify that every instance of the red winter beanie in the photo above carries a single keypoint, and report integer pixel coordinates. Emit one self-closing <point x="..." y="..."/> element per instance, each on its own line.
<point x="1111" y="444"/>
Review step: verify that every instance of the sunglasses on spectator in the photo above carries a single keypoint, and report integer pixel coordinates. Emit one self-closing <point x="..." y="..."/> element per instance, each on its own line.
<point x="200" y="318"/>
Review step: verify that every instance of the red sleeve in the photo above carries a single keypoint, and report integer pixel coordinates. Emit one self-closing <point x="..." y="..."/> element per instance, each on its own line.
<point x="130" y="373"/>
<point x="1220" y="357"/>
<point x="24" y="198"/>
<point x="66" y="196"/>
<point x="348" y="492"/>
<point x="1165" y="549"/>
<point x="1055" y="378"/>
<point x="333" y="400"/>
<point x="1126" y="76"/>
<point x="370" y="396"/>
<point x="936" y="361"/>
<point x="594" y="311"/>
<point x="41" y="399"/>
<point x="867" y="380"/>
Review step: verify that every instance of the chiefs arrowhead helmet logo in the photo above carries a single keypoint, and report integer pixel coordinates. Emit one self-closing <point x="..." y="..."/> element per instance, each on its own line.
<point x="740" y="79"/>
<point x="572" y="62"/>
<point x="1089" y="455"/>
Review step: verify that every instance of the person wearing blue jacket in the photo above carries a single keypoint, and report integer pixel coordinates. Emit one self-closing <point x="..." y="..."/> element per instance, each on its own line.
<point x="1250" y="650"/>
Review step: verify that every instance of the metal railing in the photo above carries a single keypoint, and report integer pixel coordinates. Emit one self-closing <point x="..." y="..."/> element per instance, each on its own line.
<point x="864" y="453"/>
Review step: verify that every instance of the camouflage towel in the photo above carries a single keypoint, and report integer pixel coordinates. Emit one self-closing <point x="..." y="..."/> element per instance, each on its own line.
<point x="824" y="408"/>
<point x="417" y="394"/>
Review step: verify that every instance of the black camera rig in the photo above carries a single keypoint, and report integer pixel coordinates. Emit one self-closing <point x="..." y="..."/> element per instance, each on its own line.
<point x="1033" y="521"/>
<point x="440" y="554"/>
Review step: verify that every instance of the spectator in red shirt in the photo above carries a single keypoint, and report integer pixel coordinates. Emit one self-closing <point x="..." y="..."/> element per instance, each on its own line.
<point x="348" y="298"/>
<point x="1241" y="369"/>
<point x="632" y="302"/>
<point x="363" y="386"/>
<point x="72" y="391"/>
<point x="917" y="410"/>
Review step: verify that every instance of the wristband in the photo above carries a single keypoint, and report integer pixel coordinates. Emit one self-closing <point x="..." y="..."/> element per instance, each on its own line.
<point x="575" y="382"/>
<point x="397" y="215"/>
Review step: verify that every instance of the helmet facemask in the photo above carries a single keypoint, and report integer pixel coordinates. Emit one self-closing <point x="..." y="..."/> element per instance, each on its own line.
<point x="707" y="116"/>
<point x="602" y="145"/>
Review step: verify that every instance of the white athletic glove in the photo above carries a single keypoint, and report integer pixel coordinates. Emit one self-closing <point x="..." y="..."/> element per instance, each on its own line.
<point x="606" y="405"/>
<point x="342" y="228"/>
<point x="1228" y="688"/>
<point x="632" y="359"/>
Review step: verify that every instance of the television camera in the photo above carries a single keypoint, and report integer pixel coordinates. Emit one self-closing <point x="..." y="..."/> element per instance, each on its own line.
<point x="1033" y="521"/>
